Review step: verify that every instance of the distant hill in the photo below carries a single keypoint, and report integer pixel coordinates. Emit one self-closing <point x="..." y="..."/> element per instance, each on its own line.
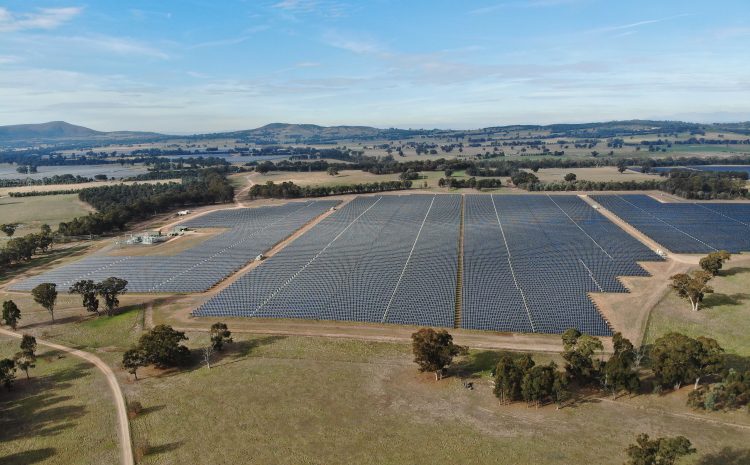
<point x="51" y="130"/>
<point x="56" y="131"/>
<point x="312" y="133"/>
<point x="62" y="133"/>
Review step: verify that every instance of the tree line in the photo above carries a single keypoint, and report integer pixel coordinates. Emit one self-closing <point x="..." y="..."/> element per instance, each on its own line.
<point x="472" y="182"/>
<point x="674" y="359"/>
<point x="290" y="190"/>
<point x="687" y="184"/>
<point x="47" y="180"/>
<point x="22" y="249"/>
<point x="120" y="204"/>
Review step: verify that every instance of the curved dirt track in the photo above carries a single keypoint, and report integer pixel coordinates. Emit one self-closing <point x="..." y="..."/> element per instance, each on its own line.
<point x="123" y="427"/>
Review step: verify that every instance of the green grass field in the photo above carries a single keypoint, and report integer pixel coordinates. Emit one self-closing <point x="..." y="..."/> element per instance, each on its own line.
<point x="32" y="212"/>
<point x="724" y="316"/>
<point x="290" y="400"/>
<point x="64" y="414"/>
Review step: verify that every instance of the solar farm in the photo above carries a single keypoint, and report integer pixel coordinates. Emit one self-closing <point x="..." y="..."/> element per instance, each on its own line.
<point x="251" y="231"/>
<point x="685" y="227"/>
<point x="508" y="263"/>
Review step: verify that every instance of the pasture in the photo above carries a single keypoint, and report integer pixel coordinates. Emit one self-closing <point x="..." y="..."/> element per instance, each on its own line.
<point x="322" y="401"/>
<point x="32" y="212"/>
<point x="724" y="314"/>
<point x="63" y="414"/>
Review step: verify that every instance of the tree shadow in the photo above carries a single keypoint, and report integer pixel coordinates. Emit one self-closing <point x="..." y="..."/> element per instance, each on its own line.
<point x="726" y="456"/>
<point x="169" y="447"/>
<point x="737" y="362"/>
<point x="58" y="321"/>
<point x="734" y="271"/>
<point x="28" y="457"/>
<point x="475" y="363"/>
<point x="154" y="408"/>
<point x="472" y="365"/>
<point x="715" y="300"/>
<point x="241" y="350"/>
<point x="233" y="352"/>
<point x="33" y="409"/>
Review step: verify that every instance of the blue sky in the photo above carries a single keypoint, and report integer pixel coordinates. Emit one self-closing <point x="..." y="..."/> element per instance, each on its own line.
<point x="201" y="66"/>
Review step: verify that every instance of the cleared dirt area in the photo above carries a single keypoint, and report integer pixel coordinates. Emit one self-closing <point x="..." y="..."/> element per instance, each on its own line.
<point x="173" y="246"/>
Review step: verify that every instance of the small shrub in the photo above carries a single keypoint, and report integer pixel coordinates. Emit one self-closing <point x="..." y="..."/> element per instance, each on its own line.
<point x="141" y="449"/>
<point x="134" y="409"/>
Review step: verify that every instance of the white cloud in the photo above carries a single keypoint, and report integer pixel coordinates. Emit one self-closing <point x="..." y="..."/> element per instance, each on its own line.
<point x="42" y="18"/>
<point x="247" y="35"/>
<point x="523" y="4"/>
<point x="636" y="24"/>
<point x="358" y="45"/>
<point x="105" y="43"/>
<point x="9" y="59"/>
<point x="328" y="8"/>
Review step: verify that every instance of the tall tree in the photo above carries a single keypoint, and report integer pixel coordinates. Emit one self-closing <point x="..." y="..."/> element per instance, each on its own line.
<point x="110" y="289"/>
<point x="28" y="345"/>
<point x="220" y="335"/>
<point x="24" y="361"/>
<point x="619" y="371"/>
<point x="714" y="261"/>
<point x="692" y="287"/>
<point x="621" y="165"/>
<point x="560" y="389"/>
<point x="433" y="350"/>
<point x="660" y="451"/>
<point x="538" y="383"/>
<point x="11" y="314"/>
<point x="509" y="374"/>
<point x="579" y="350"/>
<point x="87" y="289"/>
<point x="161" y="347"/>
<point x="677" y="359"/>
<point x="45" y="295"/>
<point x="133" y="359"/>
<point x="7" y="372"/>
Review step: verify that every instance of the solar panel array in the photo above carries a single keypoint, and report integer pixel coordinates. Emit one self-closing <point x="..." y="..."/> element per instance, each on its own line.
<point x="685" y="227"/>
<point x="251" y="231"/>
<point x="531" y="260"/>
<point x="380" y="259"/>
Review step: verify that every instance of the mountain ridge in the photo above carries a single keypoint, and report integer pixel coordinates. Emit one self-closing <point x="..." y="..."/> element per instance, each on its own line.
<point x="58" y="131"/>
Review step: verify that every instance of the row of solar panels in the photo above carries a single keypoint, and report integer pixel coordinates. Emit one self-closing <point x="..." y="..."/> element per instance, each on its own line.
<point x="379" y="259"/>
<point x="529" y="262"/>
<point x="685" y="227"/>
<point x="251" y="231"/>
